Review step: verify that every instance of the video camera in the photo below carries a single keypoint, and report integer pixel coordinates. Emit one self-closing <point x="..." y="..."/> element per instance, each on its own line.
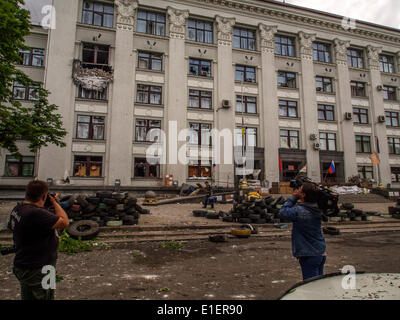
<point x="327" y="200"/>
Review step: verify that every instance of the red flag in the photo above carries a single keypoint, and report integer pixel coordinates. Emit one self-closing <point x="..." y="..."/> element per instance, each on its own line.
<point x="280" y="163"/>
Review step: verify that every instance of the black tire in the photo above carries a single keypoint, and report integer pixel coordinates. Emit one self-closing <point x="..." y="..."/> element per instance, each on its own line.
<point x="104" y="194"/>
<point x="110" y="202"/>
<point x="357" y="212"/>
<point x="82" y="202"/>
<point x="85" y="229"/>
<point x="89" y="209"/>
<point x="119" y="195"/>
<point x="236" y="215"/>
<point x="128" y="221"/>
<point x="254" y="216"/>
<point x="138" y="208"/>
<point x="260" y="221"/>
<point x="199" y="213"/>
<point x="212" y="215"/>
<point x="331" y="230"/>
<point x="87" y="216"/>
<point x="101" y="223"/>
<point x="245" y="220"/>
<point x="394" y="210"/>
<point x="228" y="219"/>
<point x="347" y="206"/>
<point x="93" y="200"/>
<point x="217" y="238"/>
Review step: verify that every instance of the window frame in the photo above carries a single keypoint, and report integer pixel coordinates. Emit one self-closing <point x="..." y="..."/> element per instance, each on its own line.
<point x="20" y="164"/>
<point x="152" y="56"/>
<point x="365" y="140"/>
<point x="289" y="82"/>
<point x="198" y="30"/>
<point x="281" y="44"/>
<point x="356" y="87"/>
<point x="199" y="167"/>
<point x="27" y="91"/>
<point x="148" y="128"/>
<point x="100" y="13"/>
<point x="88" y="163"/>
<point x="247" y="38"/>
<point x="202" y="127"/>
<point x="94" y="95"/>
<point x="326" y="50"/>
<point x="389" y="116"/>
<point x="153" y="24"/>
<point x="238" y="131"/>
<point x="324" y="109"/>
<point x="149" y="93"/>
<point x="397" y="174"/>
<point x="96" y="49"/>
<point x="355" y="58"/>
<point x="389" y="93"/>
<point x="244" y="100"/>
<point x="246" y="70"/>
<point x="201" y="96"/>
<point x="30" y="53"/>
<point x="288" y="138"/>
<point x="358" y="114"/>
<point x="286" y="106"/>
<point x="387" y="66"/>
<point x="324" y="84"/>
<point x="147" y="168"/>
<point x="394" y="145"/>
<point x="362" y="172"/>
<point x="92" y="125"/>
<point x="199" y="64"/>
<point x="327" y="139"/>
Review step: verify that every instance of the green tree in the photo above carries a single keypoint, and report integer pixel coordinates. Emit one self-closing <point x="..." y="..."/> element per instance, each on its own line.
<point x="39" y="124"/>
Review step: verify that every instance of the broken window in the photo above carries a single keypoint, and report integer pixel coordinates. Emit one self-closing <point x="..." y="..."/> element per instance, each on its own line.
<point x="148" y="94"/>
<point x="200" y="67"/>
<point x="91" y="94"/>
<point x="90" y="127"/>
<point x="32" y="57"/>
<point x="144" y="169"/>
<point x="21" y="92"/>
<point x="199" y="169"/>
<point x="23" y="167"/>
<point x="95" y="55"/>
<point x="324" y="84"/>
<point x="286" y="79"/>
<point x="147" y="130"/>
<point x="88" y="166"/>
<point x="98" y="14"/>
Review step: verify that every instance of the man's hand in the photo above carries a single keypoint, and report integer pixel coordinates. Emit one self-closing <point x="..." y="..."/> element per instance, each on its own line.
<point x="52" y="199"/>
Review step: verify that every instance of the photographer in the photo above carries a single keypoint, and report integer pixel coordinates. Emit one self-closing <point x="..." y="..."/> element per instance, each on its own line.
<point x="308" y="243"/>
<point x="35" y="240"/>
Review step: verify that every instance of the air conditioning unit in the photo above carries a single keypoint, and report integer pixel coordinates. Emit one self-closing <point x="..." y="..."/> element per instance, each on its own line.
<point x="226" y="104"/>
<point x="317" y="146"/>
<point x="381" y="119"/>
<point x="313" y="136"/>
<point x="348" y="116"/>
<point x="380" y="88"/>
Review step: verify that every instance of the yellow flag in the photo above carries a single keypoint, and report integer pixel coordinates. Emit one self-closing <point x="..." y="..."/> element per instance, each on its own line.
<point x="374" y="159"/>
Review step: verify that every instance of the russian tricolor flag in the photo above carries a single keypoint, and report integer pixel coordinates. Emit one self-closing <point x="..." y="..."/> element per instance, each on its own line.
<point x="332" y="168"/>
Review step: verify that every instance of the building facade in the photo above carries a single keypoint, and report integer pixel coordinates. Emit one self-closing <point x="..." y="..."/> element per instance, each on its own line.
<point x="296" y="86"/>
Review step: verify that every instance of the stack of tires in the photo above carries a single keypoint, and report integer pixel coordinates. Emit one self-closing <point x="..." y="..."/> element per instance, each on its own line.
<point x="394" y="212"/>
<point x="106" y="208"/>
<point x="257" y="211"/>
<point x="348" y="213"/>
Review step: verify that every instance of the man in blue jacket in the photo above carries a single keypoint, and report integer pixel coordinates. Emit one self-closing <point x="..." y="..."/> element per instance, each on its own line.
<point x="308" y="243"/>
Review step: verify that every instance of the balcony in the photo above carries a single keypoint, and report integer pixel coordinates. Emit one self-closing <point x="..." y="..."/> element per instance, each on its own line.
<point x="92" y="76"/>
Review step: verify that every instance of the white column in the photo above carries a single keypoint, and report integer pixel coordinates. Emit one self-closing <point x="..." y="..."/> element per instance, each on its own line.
<point x="121" y="111"/>
<point x="270" y="103"/>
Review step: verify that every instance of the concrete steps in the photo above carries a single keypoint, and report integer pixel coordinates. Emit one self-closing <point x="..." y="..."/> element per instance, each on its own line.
<point x="363" y="198"/>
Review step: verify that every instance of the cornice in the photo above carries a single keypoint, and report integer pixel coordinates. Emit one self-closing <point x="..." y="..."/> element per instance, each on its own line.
<point x="266" y="10"/>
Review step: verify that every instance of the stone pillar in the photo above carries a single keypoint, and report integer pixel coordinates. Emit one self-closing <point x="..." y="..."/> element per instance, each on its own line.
<point x="343" y="105"/>
<point x="309" y="119"/>
<point x="55" y="161"/>
<point x="225" y="91"/>
<point x="121" y="111"/>
<point x="177" y="93"/>
<point x="269" y="99"/>
<point x="378" y="109"/>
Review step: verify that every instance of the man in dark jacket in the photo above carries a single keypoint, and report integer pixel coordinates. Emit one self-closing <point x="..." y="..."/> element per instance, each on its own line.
<point x="308" y="243"/>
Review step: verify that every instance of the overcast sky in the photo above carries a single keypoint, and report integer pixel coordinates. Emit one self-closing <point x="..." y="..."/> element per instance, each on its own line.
<point x="384" y="12"/>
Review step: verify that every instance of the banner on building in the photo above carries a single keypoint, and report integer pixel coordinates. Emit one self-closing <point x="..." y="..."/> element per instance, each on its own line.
<point x="374" y="159"/>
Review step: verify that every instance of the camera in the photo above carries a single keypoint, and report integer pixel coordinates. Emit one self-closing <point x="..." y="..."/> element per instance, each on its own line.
<point x="47" y="203"/>
<point x="327" y="200"/>
<point x="10" y="250"/>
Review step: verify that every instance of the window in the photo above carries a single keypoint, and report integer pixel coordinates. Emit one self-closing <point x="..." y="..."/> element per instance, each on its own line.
<point x="95" y="55"/>
<point x="289" y="170"/>
<point x="365" y="172"/>
<point x="322" y="52"/>
<point x="248" y="135"/>
<point x="197" y="169"/>
<point x="22" y="167"/>
<point x="200" y="31"/>
<point x="244" y="39"/>
<point x="389" y="93"/>
<point x="363" y="144"/>
<point x="91" y="94"/>
<point x="147" y="130"/>
<point x="246" y="74"/>
<point x="355" y="58"/>
<point x="394" y="145"/>
<point x="21" y="92"/>
<point x="151" y="23"/>
<point x="324" y="84"/>
<point x="200" y="134"/>
<point x="288" y="108"/>
<point x="386" y="63"/>
<point x="144" y="169"/>
<point x="360" y="115"/>
<point x="246" y="104"/>
<point x="200" y="99"/>
<point x="326" y="112"/>
<point x="98" y="14"/>
<point x="88" y="166"/>
<point x="90" y="127"/>
<point x="358" y="89"/>
<point x="327" y="141"/>
<point x="286" y="79"/>
<point x="200" y="67"/>
<point x="150" y="61"/>
<point x="392" y="119"/>
<point x="395" y="174"/>
<point x="148" y="94"/>
<point x="33" y="57"/>
<point x="285" y="46"/>
<point x="290" y="139"/>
